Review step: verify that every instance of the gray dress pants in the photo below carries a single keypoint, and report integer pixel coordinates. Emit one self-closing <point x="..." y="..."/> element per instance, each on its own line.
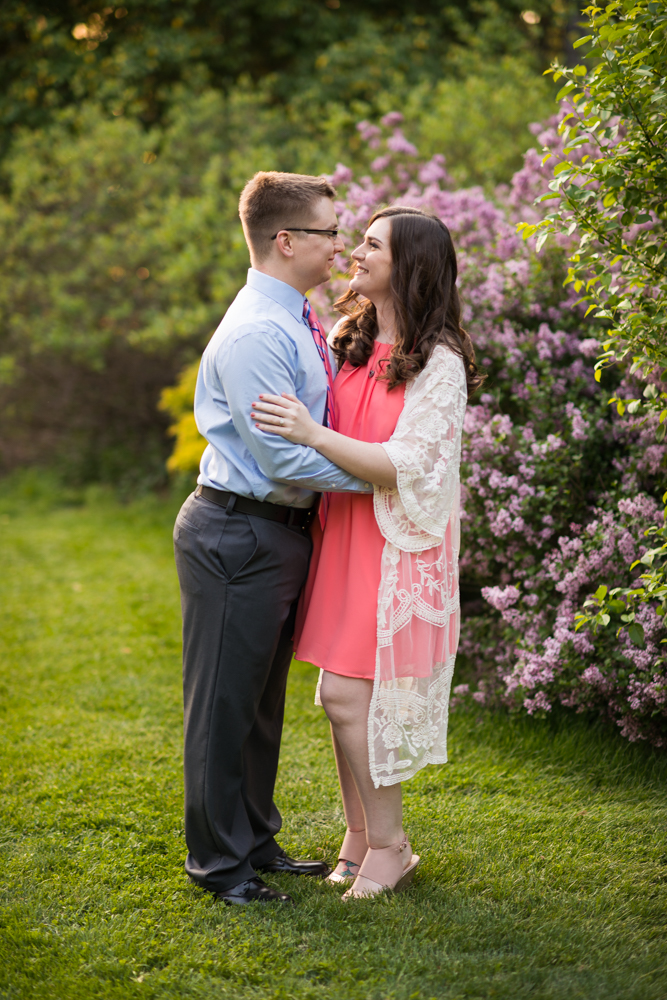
<point x="240" y="578"/>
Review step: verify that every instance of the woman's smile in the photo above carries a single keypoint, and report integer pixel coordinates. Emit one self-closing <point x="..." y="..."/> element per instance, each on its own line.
<point x="372" y="277"/>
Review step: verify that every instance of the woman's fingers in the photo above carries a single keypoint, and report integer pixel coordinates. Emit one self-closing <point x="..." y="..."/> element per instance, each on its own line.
<point x="282" y="415"/>
<point x="264" y="418"/>
<point x="268" y="407"/>
<point x="280" y="409"/>
<point x="272" y="428"/>
<point x="279" y="400"/>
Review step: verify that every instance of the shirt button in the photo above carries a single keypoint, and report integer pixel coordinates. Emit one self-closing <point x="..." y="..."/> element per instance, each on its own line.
<point x="367" y="486"/>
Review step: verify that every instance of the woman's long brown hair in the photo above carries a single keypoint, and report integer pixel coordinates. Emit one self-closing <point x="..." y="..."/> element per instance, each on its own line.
<point x="425" y="299"/>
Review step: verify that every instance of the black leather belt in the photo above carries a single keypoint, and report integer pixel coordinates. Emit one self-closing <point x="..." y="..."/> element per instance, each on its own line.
<point x="291" y="516"/>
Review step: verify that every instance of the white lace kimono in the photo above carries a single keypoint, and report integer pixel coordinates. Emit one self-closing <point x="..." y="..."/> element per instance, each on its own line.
<point x="418" y="600"/>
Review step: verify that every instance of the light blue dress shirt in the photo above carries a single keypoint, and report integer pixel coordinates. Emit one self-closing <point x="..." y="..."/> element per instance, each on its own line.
<point x="263" y="344"/>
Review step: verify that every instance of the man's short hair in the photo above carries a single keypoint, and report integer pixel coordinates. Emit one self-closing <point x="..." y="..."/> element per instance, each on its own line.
<point x="271" y="201"/>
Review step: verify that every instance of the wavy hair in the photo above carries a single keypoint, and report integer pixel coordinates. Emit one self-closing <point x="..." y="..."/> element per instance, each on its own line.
<point x="425" y="299"/>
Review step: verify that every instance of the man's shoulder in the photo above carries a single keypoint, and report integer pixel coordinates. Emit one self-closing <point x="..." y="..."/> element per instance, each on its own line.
<point x="252" y="316"/>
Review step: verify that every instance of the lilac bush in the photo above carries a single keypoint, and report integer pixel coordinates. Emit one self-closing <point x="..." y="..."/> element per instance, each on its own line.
<point x="612" y="200"/>
<point x="558" y="491"/>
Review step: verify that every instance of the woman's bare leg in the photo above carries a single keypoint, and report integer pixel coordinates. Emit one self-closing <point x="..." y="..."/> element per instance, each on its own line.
<point x="352" y="807"/>
<point x="346" y="701"/>
<point x="354" y="847"/>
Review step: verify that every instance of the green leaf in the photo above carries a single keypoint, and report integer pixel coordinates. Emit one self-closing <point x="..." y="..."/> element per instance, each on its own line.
<point x="581" y="41"/>
<point x="564" y="91"/>
<point x="601" y="592"/>
<point x="541" y="240"/>
<point x="636" y="633"/>
<point x="562" y="166"/>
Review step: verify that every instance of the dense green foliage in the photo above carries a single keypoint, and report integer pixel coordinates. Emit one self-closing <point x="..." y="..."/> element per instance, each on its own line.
<point x="611" y="177"/>
<point x="543" y="844"/>
<point x="121" y="248"/>
<point x="130" y="59"/>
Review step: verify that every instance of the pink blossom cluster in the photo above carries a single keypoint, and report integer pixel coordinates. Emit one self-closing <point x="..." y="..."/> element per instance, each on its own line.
<point x="557" y="491"/>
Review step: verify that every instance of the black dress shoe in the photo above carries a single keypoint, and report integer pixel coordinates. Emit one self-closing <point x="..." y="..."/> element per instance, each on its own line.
<point x="254" y="890"/>
<point x="282" y="865"/>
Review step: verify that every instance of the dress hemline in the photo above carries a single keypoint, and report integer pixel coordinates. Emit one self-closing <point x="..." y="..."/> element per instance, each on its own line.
<point x="343" y="672"/>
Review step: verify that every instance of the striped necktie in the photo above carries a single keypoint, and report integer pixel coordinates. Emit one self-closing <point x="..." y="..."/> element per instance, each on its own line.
<point x="317" y="331"/>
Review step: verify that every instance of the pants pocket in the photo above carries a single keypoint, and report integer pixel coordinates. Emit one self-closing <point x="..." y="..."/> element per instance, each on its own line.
<point x="237" y="546"/>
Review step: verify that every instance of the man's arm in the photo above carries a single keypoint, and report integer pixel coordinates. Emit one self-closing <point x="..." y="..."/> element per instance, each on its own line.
<point x="264" y="361"/>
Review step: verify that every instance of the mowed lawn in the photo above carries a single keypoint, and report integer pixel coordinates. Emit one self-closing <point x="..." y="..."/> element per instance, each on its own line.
<point x="544" y="844"/>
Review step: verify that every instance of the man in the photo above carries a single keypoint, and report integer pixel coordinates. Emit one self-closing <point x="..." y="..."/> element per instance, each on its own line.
<point x="242" y="543"/>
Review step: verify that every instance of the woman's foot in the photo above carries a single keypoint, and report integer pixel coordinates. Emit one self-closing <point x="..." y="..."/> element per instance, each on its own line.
<point x="384" y="868"/>
<point x="352" y="853"/>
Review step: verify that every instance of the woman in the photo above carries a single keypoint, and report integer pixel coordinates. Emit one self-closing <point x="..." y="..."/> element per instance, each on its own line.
<point x="382" y="620"/>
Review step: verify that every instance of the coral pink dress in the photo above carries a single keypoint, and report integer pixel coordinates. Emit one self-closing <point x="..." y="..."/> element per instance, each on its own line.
<point x="339" y="632"/>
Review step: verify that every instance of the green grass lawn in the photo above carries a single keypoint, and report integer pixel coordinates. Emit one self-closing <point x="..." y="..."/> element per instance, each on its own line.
<point x="544" y="844"/>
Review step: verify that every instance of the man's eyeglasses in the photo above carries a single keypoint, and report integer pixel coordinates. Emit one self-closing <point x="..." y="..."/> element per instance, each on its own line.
<point x="332" y="233"/>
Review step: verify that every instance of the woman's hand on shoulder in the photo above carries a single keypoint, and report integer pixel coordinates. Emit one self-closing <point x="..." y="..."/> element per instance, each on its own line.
<point x="287" y="416"/>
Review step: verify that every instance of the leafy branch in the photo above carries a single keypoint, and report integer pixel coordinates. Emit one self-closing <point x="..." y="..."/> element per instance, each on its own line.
<point x="610" y="180"/>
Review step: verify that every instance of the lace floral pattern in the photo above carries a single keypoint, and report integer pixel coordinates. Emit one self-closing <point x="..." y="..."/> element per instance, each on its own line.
<point x="418" y="599"/>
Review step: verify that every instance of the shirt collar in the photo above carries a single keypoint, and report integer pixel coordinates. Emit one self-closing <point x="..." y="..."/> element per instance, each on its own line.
<point x="279" y="291"/>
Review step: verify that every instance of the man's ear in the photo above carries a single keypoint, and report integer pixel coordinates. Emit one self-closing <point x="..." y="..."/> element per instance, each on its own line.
<point x="285" y="243"/>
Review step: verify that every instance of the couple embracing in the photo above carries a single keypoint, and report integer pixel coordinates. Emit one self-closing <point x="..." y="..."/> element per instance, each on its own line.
<point x="325" y="521"/>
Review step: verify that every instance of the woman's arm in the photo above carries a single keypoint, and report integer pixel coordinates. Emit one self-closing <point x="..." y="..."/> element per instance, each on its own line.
<point x="287" y="416"/>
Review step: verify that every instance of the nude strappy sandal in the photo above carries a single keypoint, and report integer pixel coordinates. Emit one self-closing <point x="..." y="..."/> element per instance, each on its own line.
<point x="352" y="853"/>
<point x="378" y="871"/>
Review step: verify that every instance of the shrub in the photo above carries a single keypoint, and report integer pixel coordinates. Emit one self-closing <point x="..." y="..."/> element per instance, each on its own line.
<point x="178" y="401"/>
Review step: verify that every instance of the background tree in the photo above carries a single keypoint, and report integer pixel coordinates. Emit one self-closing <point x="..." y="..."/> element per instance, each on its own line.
<point x="131" y="59"/>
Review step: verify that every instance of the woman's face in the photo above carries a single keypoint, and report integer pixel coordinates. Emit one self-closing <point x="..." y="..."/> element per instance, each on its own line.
<point x="372" y="278"/>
